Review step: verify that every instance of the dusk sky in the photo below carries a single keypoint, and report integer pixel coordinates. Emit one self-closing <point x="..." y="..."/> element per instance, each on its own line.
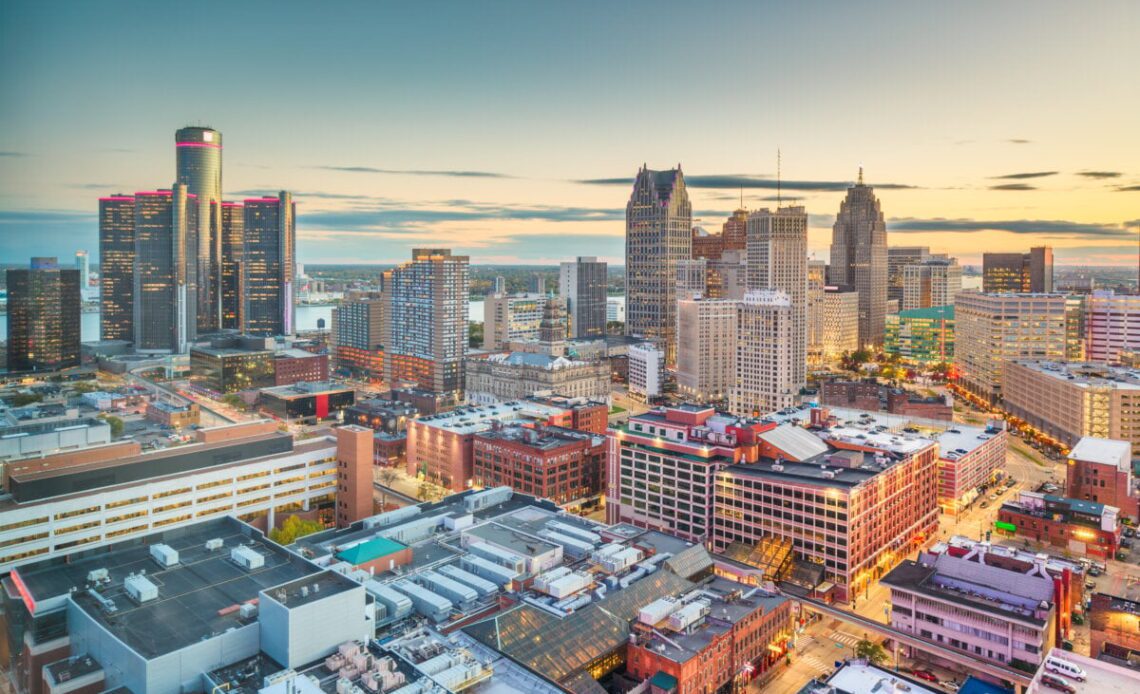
<point x="511" y="131"/>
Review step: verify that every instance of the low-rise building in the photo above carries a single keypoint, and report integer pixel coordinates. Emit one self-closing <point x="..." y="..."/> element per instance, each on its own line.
<point x="1082" y="527"/>
<point x="922" y="336"/>
<point x="221" y="370"/>
<point x="548" y="462"/>
<point x="968" y="459"/>
<point x="27" y="439"/>
<point x="868" y="394"/>
<point x="298" y="366"/>
<point x="1070" y="400"/>
<point x="515" y="375"/>
<point x="311" y="402"/>
<point x="1101" y="470"/>
<point x="1114" y="624"/>
<point x="176" y="416"/>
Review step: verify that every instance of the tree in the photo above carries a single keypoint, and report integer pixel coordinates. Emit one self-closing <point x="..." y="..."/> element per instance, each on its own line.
<point x="870" y="651"/>
<point x="234" y="400"/>
<point x="294" y="528"/>
<point x="116" y="425"/>
<point x="474" y="334"/>
<point x="615" y="327"/>
<point x="25" y="399"/>
<point x="386" y="475"/>
<point x="81" y="388"/>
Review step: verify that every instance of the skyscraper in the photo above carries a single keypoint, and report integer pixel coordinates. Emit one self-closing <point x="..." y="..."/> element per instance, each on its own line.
<point x="233" y="251"/>
<point x="816" y="283"/>
<point x="427" y="327"/>
<point x="931" y="283"/>
<point x="706" y="348"/>
<point x="164" y="307"/>
<point x="777" y="260"/>
<point x="84" y="266"/>
<point x="658" y="233"/>
<point x="582" y="283"/>
<point x="43" y="317"/>
<point x="268" y="262"/>
<point x="359" y="330"/>
<point x="116" y="267"/>
<point x="1030" y="272"/>
<point x="898" y="257"/>
<point x="764" y="378"/>
<point x="199" y="168"/>
<point x="859" y="258"/>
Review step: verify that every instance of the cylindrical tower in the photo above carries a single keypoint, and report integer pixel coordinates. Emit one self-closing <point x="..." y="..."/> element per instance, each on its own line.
<point x="199" y="167"/>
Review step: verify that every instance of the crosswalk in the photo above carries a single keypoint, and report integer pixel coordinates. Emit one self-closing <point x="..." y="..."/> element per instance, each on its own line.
<point x="822" y="659"/>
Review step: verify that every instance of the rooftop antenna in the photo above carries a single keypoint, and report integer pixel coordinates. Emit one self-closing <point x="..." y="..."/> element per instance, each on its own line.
<point x="860" y="173"/>
<point x="779" y="181"/>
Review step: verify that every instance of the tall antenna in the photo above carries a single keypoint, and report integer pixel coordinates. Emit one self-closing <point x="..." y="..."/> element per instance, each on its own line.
<point x="779" y="181"/>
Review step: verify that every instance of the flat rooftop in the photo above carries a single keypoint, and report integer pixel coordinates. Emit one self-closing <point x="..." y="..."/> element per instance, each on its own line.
<point x="1104" y="451"/>
<point x="311" y="588"/>
<point x="1086" y="374"/>
<point x="190" y="594"/>
<point x="964" y="438"/>
<point x="546" y="439"/>
<point x="304" y="389"/>
<point x="471" y="420"/>
<point x="1100" y="677"/>
<point x="513" y="540"/>
<point x="856" y="677"/>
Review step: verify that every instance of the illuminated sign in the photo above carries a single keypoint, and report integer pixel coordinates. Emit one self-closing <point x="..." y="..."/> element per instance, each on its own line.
<point x="1008" y="527"/>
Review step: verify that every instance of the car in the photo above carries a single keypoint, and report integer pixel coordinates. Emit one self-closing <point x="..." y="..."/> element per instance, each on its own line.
<point x="1129" y="532"/>
<point x="1058" y="683"/>
<point x="1090" y="584"/>
<point x="1094" y="571"/>
<point x="985" y="504"/>
<point x="926" y="675"/>
<point x="1126" y="544"/>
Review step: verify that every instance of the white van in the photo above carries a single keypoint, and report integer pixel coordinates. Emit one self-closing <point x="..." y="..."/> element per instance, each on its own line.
<point x="1064" y="667"/>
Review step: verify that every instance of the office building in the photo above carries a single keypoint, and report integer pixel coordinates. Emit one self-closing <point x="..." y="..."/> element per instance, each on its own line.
<point x="165" y="290"/>
<point x="615" y="311"/>
<point x="295" y="365"/>
<point x="308" y="402"/>
<point x="988" y="611"/>
<point x="692" y="278"/>
<point x="859" y="258"/>
<point x="500" y="286"/>
<point x="969" y="459"/>
<point x="816" y="284"/>
<point x="230" y="369"/>
<point x="922" y="336"/>
<point x="1066" y="401"/>
<point x="1100" y="470"/>
<point x="43" y="317"/>
<point x="839" y="323"/>
<point x="898" y="258"/>
<point x="727" y="277"/>
<point x="511" y="318"/>
<point x="706" y="349"/>
<point x="646" y="375"/>
<point x="509" y="376"/>
<point x="548" y="462"/>
<point x="869" y="395"/>
<point x="777" y="261"/>
<point x="1112" y="326"/>
<point x="1018" y="273"/>
<point x="932" y="283"/>
<point x="732" y="237"/>
<point x="199" y="168"/>
<point x="269" y="266"/>
<point x="766" y="360"/>
<point x="994" y="329"/>
<point x="232" y="219"/>
<point x="82" y="264"/>
<point x="427" y="328"/>
<point x="116" y="267"/>
<point x="1080" y="527"/>
<point x="359" y="329"/>
<point x="582" y="284"/>
<point x="658" y="234"/>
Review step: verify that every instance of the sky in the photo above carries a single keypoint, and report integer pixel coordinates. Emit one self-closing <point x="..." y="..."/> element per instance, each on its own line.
<point x="511" y="131"/>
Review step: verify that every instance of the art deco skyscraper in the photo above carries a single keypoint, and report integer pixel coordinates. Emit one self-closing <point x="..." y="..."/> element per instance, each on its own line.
<point x="777" y="260"/>
<point x="268" y="266"/>
<point x="658" y="233"/>
<point x="164" y="306"/>
<point x="116" y="267"/>
<point x="233" y="251"/>
<point x="859" y="258"/>
<point x="582" y="283"/>
<point x="427" y="326"/>
<point x="199" y="168"/>
<point x="43" y="317"/>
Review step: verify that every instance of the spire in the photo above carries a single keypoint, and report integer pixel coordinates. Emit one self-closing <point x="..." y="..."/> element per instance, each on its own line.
<point x="860" y="174"/>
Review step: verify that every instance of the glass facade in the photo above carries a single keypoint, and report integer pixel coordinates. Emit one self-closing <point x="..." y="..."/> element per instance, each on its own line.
<point x="922" y="336"/>
<point x="43" y="317"/>
<point x="199" y="168"/>
<point x="116" y="267"/>
<point x="233" y="249"/>
<point x="268" y="266"/>
<point x="164" y="317"/>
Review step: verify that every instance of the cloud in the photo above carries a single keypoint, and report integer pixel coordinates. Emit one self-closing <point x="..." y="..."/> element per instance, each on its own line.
<point x="1019" y="141"/>
<point x="1128" y="189"/>
<point x="415" y="172"/>
<point x="398" y="218"/>
<point x="750" y="181"/>
<point x="1039" y="227"/>
<point x="45" y="217"/>
<point x="297" y="194"/>
<point x="1013" y="186"/>
<point x="1031" y="174"/>
<point x="1100" y="174"/>
<point x="10" y="153"/>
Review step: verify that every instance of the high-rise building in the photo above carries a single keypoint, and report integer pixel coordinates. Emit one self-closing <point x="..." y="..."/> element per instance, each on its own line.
<point x="582" y="284"/>
<point x="116" y="267"/>
<point x="765" y="367"/>
<point x="840" y="324"/>
<point x="359" y="328"/>
<point x="859" y="258"/>
<point x="692" y="278"/>
<point x="732" y="237"/>
<point x="84" y="266"/>
<point x="1112" y="326"/>
<point x="993" y="329"/>
<point x="777" y="260"/>
<point x="931" y="283"/>
<point x="706" y="348"/>
<point x="898" y="257"/>
<point x="199" y="168"/>
<point x="428" y="321"/>
<point x="232" y="217"/>
<point x="500" y="285"/>
<point x="511" y="318"/>
<point x="268" y="265"/>
<point x="646" y="371"/>
<point x="727" y="277"/>
<point x="658" y="234"/>
<point x="1015" y="273"/>
<point x="816" y="285"/>
<point x="164" y="307"/>
<point x="43" y="317"/>
<point x="921" y="335"/>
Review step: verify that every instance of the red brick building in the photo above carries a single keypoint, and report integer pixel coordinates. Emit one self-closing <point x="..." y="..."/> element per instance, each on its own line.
<point x="1082" y="527"/>
<point x="1100" y="470"/>
<point x="732" y="237"/>
<point x="582" y="414"/>
<point x="298" y="365"/>
<point x="354" y="474"/>
<point x="549" y="462"/>
<point x="869" y="395"/>
<point x="1114" y="625"/>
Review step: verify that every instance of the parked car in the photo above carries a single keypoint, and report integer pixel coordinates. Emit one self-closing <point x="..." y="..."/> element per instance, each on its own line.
<point x="1126" y="544"/>
<point x="1058" y="683"/>
<point x="1094" y="571"/>
<point x="1090" y="584"/>
<point x="1129" y="532"/>
<point x="926" y="675"/>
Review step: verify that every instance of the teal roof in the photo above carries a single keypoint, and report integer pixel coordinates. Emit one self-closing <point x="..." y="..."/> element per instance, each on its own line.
<point x="946" y="312"/>
<point x="664" y="681"/>
<point x="367" y="551"/>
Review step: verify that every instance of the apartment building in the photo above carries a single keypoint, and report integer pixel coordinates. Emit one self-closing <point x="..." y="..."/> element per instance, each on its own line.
<point x="1100" y="470"/>
<point x="547" y="462"/>
<point x="968" y="457"/>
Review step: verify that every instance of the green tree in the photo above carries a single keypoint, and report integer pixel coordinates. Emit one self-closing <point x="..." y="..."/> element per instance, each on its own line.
<point x="234" y="400"/>
<point x="474" y="334"/>
<point x="294" y="528"/>
<point x="116" y="425"/>
<point x="81" y="388"/>
<point x="25" y="399"/>
<point x="870" y="651"/>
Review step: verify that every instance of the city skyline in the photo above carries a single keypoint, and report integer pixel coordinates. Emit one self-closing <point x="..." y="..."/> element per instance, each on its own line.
<point x="519" y="143"/>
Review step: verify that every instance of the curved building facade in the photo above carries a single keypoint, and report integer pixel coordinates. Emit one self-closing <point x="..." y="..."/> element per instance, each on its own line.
<point x="199" y="168"/>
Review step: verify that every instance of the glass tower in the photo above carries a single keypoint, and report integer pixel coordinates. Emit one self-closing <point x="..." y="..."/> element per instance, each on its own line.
<point x="116" y="267"/>
<point x="199" y="168"/>
<point x="43" y="317"/>
<point x="164" y="316"/>
<point x="268" y="266"/>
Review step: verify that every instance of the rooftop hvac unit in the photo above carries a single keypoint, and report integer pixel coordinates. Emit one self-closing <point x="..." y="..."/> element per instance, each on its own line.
<point x="246" y="558"/>
<point x="574" y="531"/>
<point x="98" y="576"/>
<point x="165" y="555"/>
<point x="481" y="585"/>
<point x="247" y="610"/>
<point x="140" y="588"/>
<point x="215" y="543"/>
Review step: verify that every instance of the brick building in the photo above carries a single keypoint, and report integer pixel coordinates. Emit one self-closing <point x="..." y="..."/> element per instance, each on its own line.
<point x="1100" y="470"/>
<point x="544" y="461"/>
<point x="298" y="365"/>
<point x="868" y="394"/>
<point x="968" y="458"/>
<point x="1082" y="527"/>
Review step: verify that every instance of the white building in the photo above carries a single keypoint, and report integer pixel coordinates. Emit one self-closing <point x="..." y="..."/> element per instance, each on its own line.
<point x="511" y="318"/>
<point x="765" y="354"/>
<point x="615" y="310"/>
<point x="646" y="371"/>
<point x="1112" y="326"/>
<point x="706" y="348"/>
<point x="931" y="283"/>
<point x="777" y="260"/>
